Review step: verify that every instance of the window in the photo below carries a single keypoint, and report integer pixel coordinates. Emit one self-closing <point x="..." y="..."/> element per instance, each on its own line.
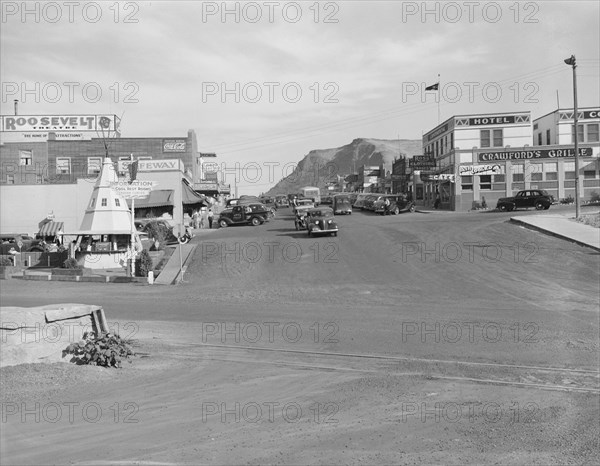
<point x="484" y="137"/>
<point x="547" y="137"/>
<point x="451" y="141"/>
<point x="498" y="138"/>
<point x="589" y="174"/>
<point x="539" y="139"/>
<point x="592" y="130"/>
<point x="569" y="168"/>
<point x="104" y="202"/>
<point x="579" y="133"/>
<point x="63" y="165"/>
<point x="517" y="173"/>
<point x="551" y="169"/>
<point x="485" y="182"/>
<point x="117" y="203"/>
<point x="537" y="176"/>
<point x="93" y="203"/>
<point x="499" y="178"/>
<point x="467" y="183"/>
<point x="25" y="157"/>
<point x="94" y="165"/>
<point x="39" y="179"/>
<point x="10" y="179"/>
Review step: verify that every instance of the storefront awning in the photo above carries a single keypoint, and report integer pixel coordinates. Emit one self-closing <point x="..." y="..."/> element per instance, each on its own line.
<point x="190" y="196"/>
<point x="51" y="229"/>
<point x="157" y="198"/>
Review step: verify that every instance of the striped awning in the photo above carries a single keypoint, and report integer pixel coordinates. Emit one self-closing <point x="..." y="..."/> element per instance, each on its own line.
<point x="51" y="229"/>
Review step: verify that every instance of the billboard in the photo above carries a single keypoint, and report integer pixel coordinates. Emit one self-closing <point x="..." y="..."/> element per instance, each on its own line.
<point x="59" y="123"/>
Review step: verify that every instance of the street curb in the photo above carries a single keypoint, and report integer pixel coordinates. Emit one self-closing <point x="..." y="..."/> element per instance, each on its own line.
<point x="552" y="233"/>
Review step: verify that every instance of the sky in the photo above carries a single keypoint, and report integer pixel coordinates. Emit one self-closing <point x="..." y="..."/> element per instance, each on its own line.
<point x="264" y="83"/>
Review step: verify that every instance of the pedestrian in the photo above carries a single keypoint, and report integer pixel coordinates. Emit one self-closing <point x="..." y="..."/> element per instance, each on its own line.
<point x="436" y="204"/>
<point x="386" y="206"/>
<point x="195" y="221"/>
<point x="201" y="219"/>
<point x="210" y="218"/>
<point x="483" y="203"/>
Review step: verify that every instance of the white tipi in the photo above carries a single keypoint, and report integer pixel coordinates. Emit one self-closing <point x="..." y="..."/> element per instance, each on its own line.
<point x="107" y="212"/>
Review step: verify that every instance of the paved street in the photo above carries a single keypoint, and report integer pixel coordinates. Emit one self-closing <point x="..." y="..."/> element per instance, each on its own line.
<point x="423" y="337"/>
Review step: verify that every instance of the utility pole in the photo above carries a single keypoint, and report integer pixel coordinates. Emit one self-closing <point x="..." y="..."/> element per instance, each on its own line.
<point x="572" y="61"/>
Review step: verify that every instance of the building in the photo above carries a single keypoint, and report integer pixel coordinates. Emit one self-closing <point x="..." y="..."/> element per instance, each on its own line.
<point x="481" y="158"/>
<point x="398" y="175"/>
<point x="369" y="178"/>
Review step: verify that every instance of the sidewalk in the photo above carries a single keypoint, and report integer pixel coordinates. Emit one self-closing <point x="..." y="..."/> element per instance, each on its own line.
<point x="562" y="226"/>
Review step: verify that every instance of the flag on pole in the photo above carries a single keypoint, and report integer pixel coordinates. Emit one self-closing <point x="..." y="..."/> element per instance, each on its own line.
<point x="433" y="87"/>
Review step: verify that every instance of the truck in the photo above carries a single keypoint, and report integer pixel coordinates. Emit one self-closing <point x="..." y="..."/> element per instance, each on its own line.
<point x="312" y="192"/>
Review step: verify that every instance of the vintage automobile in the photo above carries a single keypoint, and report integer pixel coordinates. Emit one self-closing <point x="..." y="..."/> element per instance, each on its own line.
<point x="537" y="198"/>
<point x="10" y="242"/>
<point x="321" y="221"/>
<point x="398" y="203"/>
<point x="342" y="204"/>
<point x="244" y="214"/>
<point x="302" y="204"/>
<point x="359" y="203"/>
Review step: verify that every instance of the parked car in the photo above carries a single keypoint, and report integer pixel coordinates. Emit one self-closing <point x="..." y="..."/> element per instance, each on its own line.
<point x="244" y="214"/>
<point x="342" y="205"/>
<point x="321" y="221"/>
<point x="359" y="203"/>
<point x="10" y="242"/>
<point x="398" y="203"/>
<point x="538" y="198"/>
<point x="370" y="201"/>
<point x="328" y="200"/>
<point x="154" y="228"/>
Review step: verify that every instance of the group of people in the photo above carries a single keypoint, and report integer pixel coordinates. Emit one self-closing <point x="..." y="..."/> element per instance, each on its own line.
<point x="200" y="218"/>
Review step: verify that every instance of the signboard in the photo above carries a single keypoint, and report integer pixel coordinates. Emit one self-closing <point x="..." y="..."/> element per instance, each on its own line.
<point x="151" y="165"/>
<point x="421" y="162"/>
<point x="585" y="115"/>
<point x="465" y="170"/>
<point x="492" y="120"/>
<point x="438" y="177"/>
<point x="533" y="154"/>
<point x="174" y="145"/>
<point x="437" y="132"/>
<point x="59" y="123"/>
<point x="136" y="190"/>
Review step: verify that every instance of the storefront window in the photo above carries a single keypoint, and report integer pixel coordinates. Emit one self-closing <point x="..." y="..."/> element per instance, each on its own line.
<point x="485" y="182"/>
<point x="25" y="157"/>
<point x="467" y="183"/>
<point x="517" y="173"/>
<point x="63" y="165"/>
<point x="569" y="168"/>
<point x="589" y="174"/>
<point x="499" y="178"/>
<point x="551" y="169"/>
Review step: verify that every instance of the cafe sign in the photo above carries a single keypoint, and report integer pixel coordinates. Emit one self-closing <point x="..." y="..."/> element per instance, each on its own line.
<point x="532" y="154"/>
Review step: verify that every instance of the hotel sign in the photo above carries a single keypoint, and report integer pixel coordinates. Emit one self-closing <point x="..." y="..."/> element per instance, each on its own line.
<point x="532" y="154"/>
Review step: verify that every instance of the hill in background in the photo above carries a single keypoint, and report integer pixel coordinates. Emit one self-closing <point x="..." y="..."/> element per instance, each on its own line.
<point x="321" y="166"/>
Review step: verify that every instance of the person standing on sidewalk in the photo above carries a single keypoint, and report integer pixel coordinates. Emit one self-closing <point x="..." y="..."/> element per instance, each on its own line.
<point x="210" y="218"/>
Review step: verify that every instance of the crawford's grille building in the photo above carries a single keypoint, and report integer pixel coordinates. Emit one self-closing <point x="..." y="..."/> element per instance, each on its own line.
<point x="477" y="158"/>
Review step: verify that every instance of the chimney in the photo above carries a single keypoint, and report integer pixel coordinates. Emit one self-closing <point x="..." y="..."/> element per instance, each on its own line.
<point x="16" y="107"/>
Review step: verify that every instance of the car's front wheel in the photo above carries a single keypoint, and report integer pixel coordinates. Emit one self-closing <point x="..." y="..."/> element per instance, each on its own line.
<point x="255" y="221"/>
<point x="503" y="207"/>
<point x="539" y="205"/>
<point x="396" y="210"/>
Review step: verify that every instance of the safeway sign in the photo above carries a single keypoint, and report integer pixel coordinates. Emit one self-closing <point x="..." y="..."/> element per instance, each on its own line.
<point x="136" y="190"/>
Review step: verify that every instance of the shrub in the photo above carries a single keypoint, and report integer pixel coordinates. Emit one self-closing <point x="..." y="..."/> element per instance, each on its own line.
<point x="6" y="262"/>
<point x="71" y="263"/>
<point x="158" y="232"/>
<point x="595" y="196"/>
<point x="144" y="264"/>
<point x="108" y="350"/>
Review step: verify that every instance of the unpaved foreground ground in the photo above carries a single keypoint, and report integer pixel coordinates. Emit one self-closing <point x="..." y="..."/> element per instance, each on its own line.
<point x="380" y="375"/>
<point x="185" y="403"/>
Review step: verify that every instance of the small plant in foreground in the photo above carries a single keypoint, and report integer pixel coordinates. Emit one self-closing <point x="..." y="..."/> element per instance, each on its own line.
<point x="106" y="350"/>
<point x="71" y="263"/>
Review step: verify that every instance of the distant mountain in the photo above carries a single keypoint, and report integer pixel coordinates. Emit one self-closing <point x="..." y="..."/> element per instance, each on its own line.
<point x="322" y="165"/>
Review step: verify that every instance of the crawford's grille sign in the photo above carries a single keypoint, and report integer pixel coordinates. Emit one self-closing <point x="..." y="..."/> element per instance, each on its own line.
<point x="174" y="145"/>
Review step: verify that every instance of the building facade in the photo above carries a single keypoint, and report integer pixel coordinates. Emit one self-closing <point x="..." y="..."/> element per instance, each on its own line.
<point x="481" y="158"/>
